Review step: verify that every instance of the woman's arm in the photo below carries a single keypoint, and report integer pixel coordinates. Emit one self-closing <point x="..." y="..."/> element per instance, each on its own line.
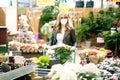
<point x="73" y="37"/>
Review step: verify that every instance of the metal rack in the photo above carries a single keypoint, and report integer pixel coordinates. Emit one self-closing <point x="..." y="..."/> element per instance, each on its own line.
<point x="18" y="72"/>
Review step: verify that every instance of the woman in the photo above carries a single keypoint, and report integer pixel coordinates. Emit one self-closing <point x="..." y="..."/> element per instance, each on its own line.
<point x="63" y="31"/>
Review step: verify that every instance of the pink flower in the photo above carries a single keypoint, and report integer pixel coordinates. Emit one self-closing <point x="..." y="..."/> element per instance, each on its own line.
<point x="114" y="77"/>
<point x="118" y="69"/>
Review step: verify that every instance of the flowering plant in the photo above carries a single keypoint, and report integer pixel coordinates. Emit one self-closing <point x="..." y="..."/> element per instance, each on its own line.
<point x="83" y="54"/>
<point x="111" y="68"/>
<point x="14" y="45"/>
<point x="63" y="52"/>
<point x="71" y="71"/>
<point x="34" y="48"/>
<point x="93" y="55"/>
<point x="92" y="52"/>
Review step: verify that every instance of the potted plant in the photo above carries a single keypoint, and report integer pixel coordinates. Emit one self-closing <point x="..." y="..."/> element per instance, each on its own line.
<point x="42" y="61"/>
<point x="48" y="14"/>
<point x="81" y="32"/>
<point x="46" y="29"/>
<point x="112" y="40"/>
<point x="63" y="52"/>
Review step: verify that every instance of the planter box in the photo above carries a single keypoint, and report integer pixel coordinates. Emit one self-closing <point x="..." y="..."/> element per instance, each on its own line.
<point x="31" y="54"/>
<point x="41" y="71"/>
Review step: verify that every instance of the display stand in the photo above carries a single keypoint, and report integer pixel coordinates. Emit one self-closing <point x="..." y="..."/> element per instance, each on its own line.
<point x="11" y="75"/>
<point x="3" y="39"/>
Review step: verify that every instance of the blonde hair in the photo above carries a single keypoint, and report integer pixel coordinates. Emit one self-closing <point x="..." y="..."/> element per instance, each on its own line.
<point x="68" y="25"/>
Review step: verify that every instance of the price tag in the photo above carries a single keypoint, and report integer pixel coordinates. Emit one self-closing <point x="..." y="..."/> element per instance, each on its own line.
<point x="100" y="40"/>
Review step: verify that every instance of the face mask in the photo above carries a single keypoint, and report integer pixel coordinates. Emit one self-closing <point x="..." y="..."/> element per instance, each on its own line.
<point x="63" y="21"/>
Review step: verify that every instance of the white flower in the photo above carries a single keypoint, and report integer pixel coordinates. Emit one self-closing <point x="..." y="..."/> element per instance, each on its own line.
<point x="91" y="68"/>
<point x="57" y="67"/>
<point x="77" y="68"/>
<point x="68" y="75"/>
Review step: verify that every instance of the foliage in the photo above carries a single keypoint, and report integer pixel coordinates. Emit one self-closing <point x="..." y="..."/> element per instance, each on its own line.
<point x="110" y="39"/>
<point x="63" y="52"/>
<point x="87" y="76"/>
<point x="81" y="32"/>
<point x="46" y="29"/>
<point x="49" y="13"/>
<point x="42" y="61"/>
<point x="97" y="23"/>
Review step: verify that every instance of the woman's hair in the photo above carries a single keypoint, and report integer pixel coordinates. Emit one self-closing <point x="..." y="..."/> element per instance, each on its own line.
<point x="68" y="25"/>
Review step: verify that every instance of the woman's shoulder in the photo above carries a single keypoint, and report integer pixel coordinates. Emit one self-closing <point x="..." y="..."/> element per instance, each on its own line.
<point x="72" y="29"/>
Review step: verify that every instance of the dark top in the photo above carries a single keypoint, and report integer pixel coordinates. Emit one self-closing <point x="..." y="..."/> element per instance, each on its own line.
<point x="69" y="37"/>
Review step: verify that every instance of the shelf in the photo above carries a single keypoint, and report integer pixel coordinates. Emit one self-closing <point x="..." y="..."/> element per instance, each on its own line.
<point x="17" y="72"/>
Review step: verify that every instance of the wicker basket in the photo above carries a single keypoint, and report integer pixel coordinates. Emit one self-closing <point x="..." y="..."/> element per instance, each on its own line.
<point x="93" y="59"/>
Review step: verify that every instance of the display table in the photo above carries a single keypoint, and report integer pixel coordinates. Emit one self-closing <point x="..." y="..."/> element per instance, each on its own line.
<point x="17" y="72"/>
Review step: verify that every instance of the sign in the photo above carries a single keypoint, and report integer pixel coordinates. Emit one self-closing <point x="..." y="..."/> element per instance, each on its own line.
<point x="113" y="0"/>
<point x="45" y="2"/>
<point x="100" y="40"/>
<point x="64" y="7"/>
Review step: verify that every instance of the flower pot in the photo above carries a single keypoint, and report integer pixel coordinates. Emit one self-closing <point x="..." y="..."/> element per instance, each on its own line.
<point x="54" y="61"/>
<point x="93" y="59"/>
<point x="87" y="44"/>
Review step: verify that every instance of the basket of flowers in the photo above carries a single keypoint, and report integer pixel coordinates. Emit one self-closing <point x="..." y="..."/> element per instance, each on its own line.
<point x="92" y="55"/>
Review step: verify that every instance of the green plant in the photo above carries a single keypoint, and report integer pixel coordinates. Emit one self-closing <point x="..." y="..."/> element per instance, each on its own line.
<point x="95" y="24"/>
<point x="81" y="32"/>
<point x="110" y="40"/>
<point x="49" y="13"/>
<point x="42" y="61"/>
<point x="87" y="76"/>
<point x="45" y="29"/>
<point x="63" y="53"/>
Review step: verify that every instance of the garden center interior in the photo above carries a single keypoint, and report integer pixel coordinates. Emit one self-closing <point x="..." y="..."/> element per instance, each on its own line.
<point x="26" y="32"/>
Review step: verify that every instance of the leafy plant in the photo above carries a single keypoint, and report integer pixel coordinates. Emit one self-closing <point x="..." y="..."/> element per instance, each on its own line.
<point x="48" y="14"/>
<point x="45" y="29"/>
<point x="82" y="32"/>
<point x="42" y="61"/>
<point x="63" y="52"/>
<point x="95" y="24"/>
<point x="110" y="40"/>
<point x="87" y="76"/>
